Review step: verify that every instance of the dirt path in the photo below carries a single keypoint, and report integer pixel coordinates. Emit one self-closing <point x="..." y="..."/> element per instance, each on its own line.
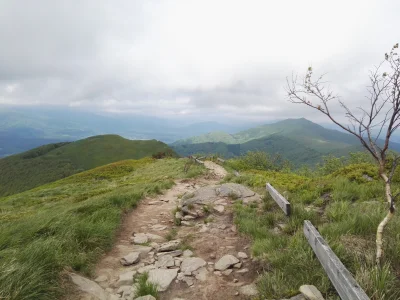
<point x="209" y="235"/>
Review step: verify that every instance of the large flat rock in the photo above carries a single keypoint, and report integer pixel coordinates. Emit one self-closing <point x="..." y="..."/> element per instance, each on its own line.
<point x="235" y="190"/>
<point x="191" y="264"/>
<point x="212" y="193"/>
<point x="140" y="238"/>
<point x="225" y="262"/>
<point x="162" y="278"/>
<point x="126" y="278"/>
<point x="165" y="261"/>
<point x="130" y="259"/>
<point x="143" y="250"/>
<point x="204" y="195"/>
<point x="249" y="290"/>
<point x="311" y="292"/>
<point x="89" y="286"/>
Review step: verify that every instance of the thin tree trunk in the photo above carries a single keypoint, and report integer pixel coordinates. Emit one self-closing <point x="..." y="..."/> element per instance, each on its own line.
<point x="385" y="221"/>
<point x="379" y="234"/>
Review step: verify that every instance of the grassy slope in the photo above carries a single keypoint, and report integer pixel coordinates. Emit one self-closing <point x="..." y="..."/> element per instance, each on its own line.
<point x="298" y="140"/>
<point x="297" y="129"/>
<point x="71" y="222"/>
<point x="55" y="161"/>
<point x="298" y="153"/>
<point x="345" y="208"/>
<point x="212" y="137"/>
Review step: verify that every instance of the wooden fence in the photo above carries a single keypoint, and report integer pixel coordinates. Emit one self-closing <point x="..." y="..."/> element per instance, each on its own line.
<point x="344" y="283"/>
<point x="279" y="199"/>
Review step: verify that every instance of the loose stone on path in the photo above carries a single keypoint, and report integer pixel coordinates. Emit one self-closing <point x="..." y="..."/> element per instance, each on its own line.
<point x="165" y="261"/>
<point x="126" y="278"/>
<point x="192" y="264"/>
<point x="170" y="246"/>
<point x="162" y="278"/>
<point x="311" y="292"/>
<point x="140" y="238"/>
<point x="249" y="290"/>
<point x="225" y="262"/>
<point x="89" y="286"/>
<point x="130" y="259"/>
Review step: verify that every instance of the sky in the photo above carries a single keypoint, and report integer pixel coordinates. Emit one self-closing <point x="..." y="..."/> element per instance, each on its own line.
<point x="198" y="60"/>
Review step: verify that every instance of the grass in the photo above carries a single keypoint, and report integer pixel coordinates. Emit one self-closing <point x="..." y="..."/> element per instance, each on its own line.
<point x="171" y="234"/>
<point x="185" y="244"/>
<point x="69" y="223"/>
<point x="346" y="210"/>
<point x="207" y="209"/>
<point x="52" y="162"/>
<point x="144" y="288"/>
<point x="177" y="221"/>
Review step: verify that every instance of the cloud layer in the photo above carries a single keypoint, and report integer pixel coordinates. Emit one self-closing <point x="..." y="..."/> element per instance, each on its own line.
<point x="199" y="59"/>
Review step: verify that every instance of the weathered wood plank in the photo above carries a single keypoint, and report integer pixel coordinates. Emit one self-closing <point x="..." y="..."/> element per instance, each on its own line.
<point x="199" y="161"/>
<point x="279" y="199"/>
<point x="341" y="278"/>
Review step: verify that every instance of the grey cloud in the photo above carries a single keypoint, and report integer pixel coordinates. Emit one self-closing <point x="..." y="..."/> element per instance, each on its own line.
<point x="103" y="55"/>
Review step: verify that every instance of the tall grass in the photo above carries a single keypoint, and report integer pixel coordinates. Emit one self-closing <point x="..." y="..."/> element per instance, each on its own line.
<point x="70" y="223"/>
<point x="144" y="288"/>
<point x="344" y="206"/>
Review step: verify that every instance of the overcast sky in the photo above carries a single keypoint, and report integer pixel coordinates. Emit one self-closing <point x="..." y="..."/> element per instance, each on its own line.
<point x="192" y="59"/>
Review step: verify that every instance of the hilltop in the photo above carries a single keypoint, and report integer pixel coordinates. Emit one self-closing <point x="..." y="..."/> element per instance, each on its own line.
<point x="298" y="140"/>
<point x="55" y="161"/>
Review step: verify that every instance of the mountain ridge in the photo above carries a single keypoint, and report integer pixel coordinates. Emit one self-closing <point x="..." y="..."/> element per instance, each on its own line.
<point x="312" y="141"/>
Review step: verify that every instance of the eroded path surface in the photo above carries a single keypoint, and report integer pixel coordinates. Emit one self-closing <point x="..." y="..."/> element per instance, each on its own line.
<point x="185" y="240"/>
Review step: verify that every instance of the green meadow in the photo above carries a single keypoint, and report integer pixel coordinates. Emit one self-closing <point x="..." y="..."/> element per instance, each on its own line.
<point x="68" y="224"/>
<point x="344" y="199"/>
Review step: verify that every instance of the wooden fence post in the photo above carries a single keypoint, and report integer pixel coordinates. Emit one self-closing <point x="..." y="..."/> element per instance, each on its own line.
<point x="341" y="278"/>
<point x="279" y="199"/>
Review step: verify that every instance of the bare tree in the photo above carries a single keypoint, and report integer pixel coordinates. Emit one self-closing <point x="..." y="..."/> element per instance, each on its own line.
<point x="380" y="118"/>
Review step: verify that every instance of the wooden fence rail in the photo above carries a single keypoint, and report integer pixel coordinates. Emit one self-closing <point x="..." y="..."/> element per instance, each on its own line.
<point x="341" y="278"/>
<point x="279" y="199"/>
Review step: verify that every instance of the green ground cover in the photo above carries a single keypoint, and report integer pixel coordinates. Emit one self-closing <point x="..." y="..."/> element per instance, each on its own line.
<point x="69" y="223"/>
<point x="345" y="205"/>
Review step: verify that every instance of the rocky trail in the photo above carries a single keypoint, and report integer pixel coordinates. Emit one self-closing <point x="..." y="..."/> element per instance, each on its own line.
<point x="185" y="240"/>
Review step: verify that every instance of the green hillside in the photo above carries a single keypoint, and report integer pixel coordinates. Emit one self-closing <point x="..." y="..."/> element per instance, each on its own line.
<point x="289" y="149"/>
<point x="297" y="152"/>
<point x="301" y="130"/>
<point x="298" y="140"/>
<point x="211" y="137"/>
<point x="55" y="161"/>
<point x="70" y="223"/>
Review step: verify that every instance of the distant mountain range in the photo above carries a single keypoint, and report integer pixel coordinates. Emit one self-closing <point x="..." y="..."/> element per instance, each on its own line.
<point x="22" y="129"/>
<point x="298" y="140"/>
<point x="51" y="162"/>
